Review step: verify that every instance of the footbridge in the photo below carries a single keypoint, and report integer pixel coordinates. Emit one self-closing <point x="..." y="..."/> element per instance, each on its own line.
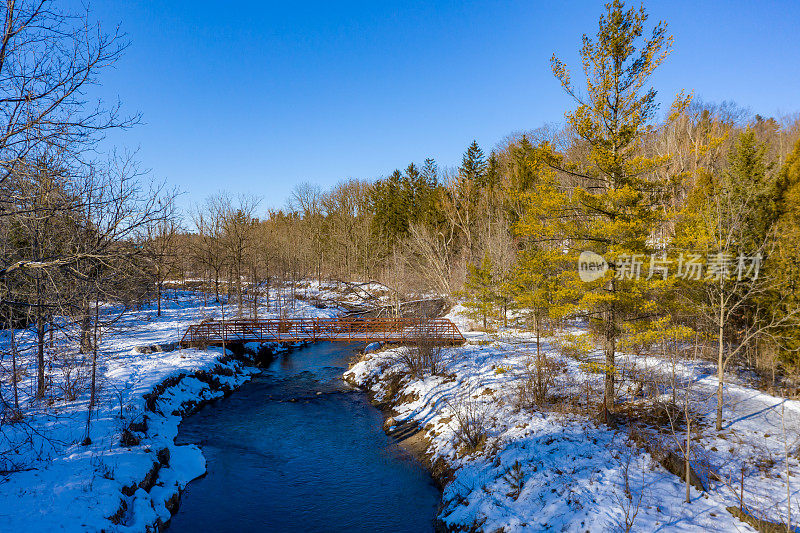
<point x="391" y="330"/>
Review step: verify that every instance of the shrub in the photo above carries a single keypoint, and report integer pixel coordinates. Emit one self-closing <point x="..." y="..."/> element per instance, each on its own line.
<point x="423" y="358"/>
<point x="597" y="367"/>
<point x="534" y="386"/>
<point x="576" y="346"/>
<point x="470" y="414"/>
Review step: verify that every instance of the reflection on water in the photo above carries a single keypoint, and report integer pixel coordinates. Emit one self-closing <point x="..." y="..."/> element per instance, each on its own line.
<point x="295" y="450"/>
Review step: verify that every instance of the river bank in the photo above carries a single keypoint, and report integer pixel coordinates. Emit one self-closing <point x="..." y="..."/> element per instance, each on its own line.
<point x="127" y="475"/>
<point x="548" y="468"/>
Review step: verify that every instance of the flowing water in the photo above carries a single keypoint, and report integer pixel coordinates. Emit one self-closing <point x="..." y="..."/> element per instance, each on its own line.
<point x="297" y="450"/>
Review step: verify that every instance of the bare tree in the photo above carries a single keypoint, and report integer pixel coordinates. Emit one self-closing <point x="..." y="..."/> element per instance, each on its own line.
<point x="161" y="245"/>
<point x="48" y="61"/>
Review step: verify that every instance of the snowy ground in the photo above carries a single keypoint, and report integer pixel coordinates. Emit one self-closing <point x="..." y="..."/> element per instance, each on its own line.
<point x="540" y="469"/>
<point x="60" y="484"/>
<point x="555" y="469"/>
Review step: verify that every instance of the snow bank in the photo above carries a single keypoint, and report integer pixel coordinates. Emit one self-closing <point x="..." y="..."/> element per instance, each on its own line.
<point x="537" y="470"/>
<point x="130" y="476"/>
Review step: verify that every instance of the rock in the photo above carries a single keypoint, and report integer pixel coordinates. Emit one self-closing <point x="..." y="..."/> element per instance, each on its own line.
<point x="173" y="503"/>
<point x="157" y="348"/>
<point x="675" y="464"/>
<point x="150" y="479"/>
<point x="116" y="518"/>
<point x="372" y="347"/>
<point x="140" y="426"/>
<point x="163" y="456"/>
<point x="764" y="526"/>
<point x="128" y="439"/>
<point x="389" y="424"/>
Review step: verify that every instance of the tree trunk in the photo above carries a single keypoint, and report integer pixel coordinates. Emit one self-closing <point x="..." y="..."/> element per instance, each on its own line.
<point x="14" y="366"/>
<point x="158" y="291"/>
<point x="720" y="363"/>
<point x="93" y="390"/>
<point x="239" y="283"/>
<point x="789" y="528"/>
<point x="539" y="381"/>
<point x="86" y="341"/>
<point x="609" y="348"/>
<point x="687" y="465"/>
<point x="40" y="354"/>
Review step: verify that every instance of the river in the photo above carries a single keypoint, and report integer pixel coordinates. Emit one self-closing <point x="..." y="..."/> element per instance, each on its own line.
<point x="296" y="449"/>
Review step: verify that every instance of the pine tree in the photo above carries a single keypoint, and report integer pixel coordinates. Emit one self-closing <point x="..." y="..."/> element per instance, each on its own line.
<point x="430" y="173"/>
<point x="615" y="207"/>
<point x="480" y="291"/>
<point x="784" y="262"/>
<point x="525" y="164"/>
<point x="729" y="215"/>
<point x="473" y="165"/>
<point x="492" y="179"/>
<point x="391" y="205"/>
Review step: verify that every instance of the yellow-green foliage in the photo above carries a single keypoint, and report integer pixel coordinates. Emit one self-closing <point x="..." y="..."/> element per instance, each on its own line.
<point x="502" y="369"/>
<point x="640" y="337"/>
<point x="596" y="367"/>
<point x="577" y="346"/>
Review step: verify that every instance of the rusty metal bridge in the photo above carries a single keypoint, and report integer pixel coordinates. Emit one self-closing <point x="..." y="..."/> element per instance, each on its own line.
<point x="391" y="330"/>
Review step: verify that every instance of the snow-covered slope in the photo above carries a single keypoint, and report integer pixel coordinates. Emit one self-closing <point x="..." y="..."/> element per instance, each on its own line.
<point x="555" y="469"/>
<point x="64" y="485"/>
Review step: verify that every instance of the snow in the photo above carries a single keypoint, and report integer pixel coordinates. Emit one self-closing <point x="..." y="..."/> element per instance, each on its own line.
<point x="544" y="469"/>
<point x="64" y="485"/>
<point x="573" y="469"/>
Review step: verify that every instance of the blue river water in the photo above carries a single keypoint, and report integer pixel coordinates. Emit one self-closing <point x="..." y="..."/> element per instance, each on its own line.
<point x="297" y="450"/>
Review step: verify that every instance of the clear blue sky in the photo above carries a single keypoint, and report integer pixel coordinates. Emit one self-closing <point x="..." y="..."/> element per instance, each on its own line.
<point x="256" y="96"/>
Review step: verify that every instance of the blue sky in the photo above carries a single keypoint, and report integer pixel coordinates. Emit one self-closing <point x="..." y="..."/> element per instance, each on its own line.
<point x="258" y="96"/>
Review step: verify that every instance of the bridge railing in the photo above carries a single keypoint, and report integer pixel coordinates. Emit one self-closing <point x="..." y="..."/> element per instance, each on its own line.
<point x="399" y="330"/>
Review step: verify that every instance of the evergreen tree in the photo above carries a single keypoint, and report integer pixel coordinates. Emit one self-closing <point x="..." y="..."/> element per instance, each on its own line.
<point x="404" y="199"/>
<point x="480" y="291"/>
<point x="749" y="173"/>
<point x="492" y="179"/>
<point x="729" y="215"/>
<point x="391" y="206"/>
<point x="430" y="173"/>
<point x="473" y="165"/>
<point x="615" y="207"/>
<point x="525" y="164"/>
<point x="784" y="262"/>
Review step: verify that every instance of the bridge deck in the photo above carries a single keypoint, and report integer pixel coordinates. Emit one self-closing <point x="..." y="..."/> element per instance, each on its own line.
<point x="398" y="330"/>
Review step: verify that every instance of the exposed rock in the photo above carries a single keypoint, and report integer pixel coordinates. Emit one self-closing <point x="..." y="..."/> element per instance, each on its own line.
<point x="675" y="464"/>
<point x="129" y="490"/>
<point x="173" y="503"/>
<point x="163" y="456"/>
<point x="128" y="439"/>
<point x="150" y="479"/>
<point x="157" y="348"/>
<point x="116" y="518"/>
<point x="762" y="526"/>
<point x="139" y="427"/>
